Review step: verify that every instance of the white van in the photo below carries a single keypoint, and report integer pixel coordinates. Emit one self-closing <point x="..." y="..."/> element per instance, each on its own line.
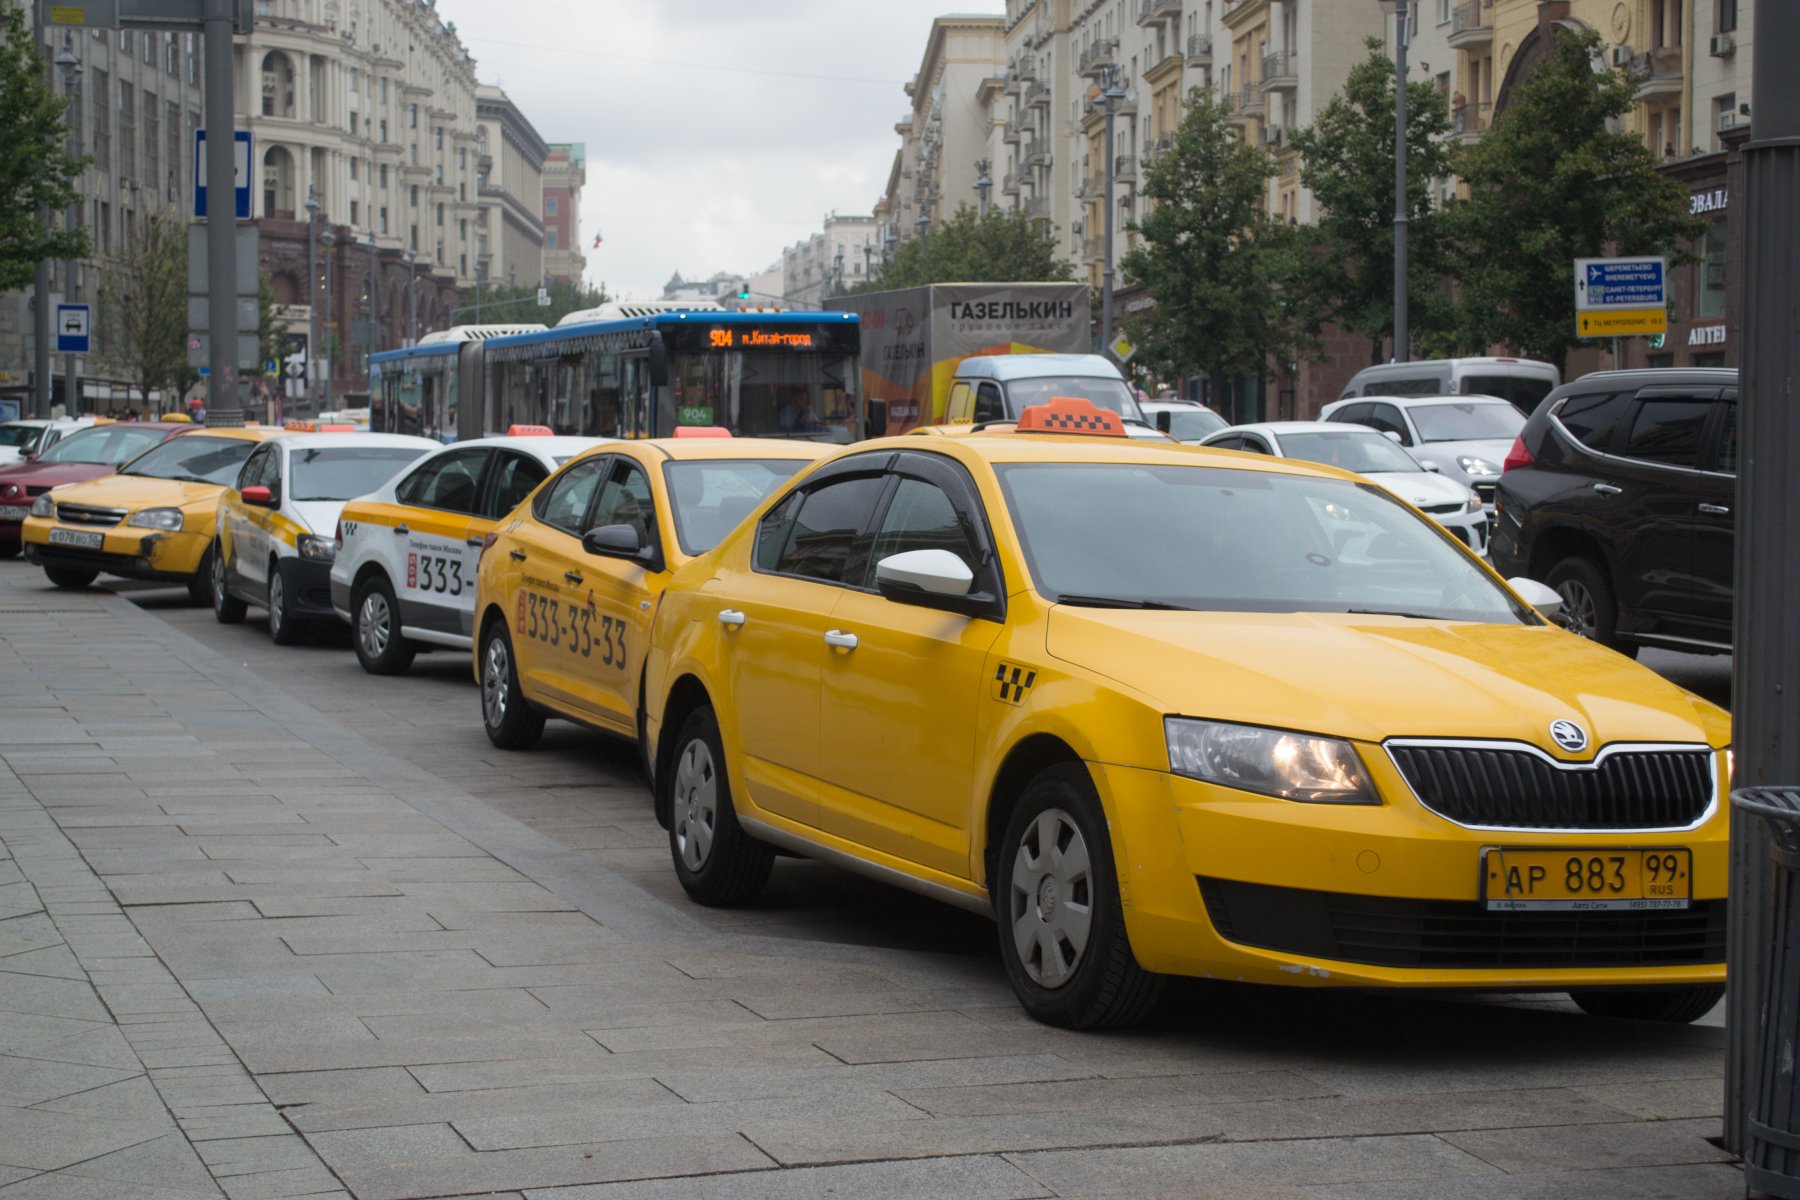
<point x="1522" y="381"/>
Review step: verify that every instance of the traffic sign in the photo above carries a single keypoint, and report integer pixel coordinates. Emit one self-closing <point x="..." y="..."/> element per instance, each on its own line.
<point x="240" y="174"/>
<point x="1621" y="323"/>
<point x="1607" y="283"/>
<point x="180" y="16"/>
<point x="1122" y="348"/>
<point x="72" y="328"/>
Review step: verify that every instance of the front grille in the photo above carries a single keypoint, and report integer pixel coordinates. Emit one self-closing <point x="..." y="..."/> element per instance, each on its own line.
<point x="1485" y="490"/>
<point x="1453" y="507"/>
<point x="30" y="490"/>
<point x="81" y="514"/>
<point x="1506" y="787"/>
<point x="1387" y="932"/>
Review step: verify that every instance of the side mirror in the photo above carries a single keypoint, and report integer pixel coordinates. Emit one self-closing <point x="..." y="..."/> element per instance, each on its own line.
<point x="613" y="541"/>
<point x="1546" y="600"/>
<point x="258" y="495"/>
<point x="1391" y="436"/>
<point x="1431" y="465"/>
<point x="933" y="579"/>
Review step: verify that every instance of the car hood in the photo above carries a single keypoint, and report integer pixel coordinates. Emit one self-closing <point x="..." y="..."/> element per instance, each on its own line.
<point x="1421" y="488"/>
<point x="1445" y="454"/>
<point x="1318" y="672"/>
<point x="319" y="516"/>
<point x="134" y="492"/>
<point x="43" y="474"/>
<point x="9" y="455"/>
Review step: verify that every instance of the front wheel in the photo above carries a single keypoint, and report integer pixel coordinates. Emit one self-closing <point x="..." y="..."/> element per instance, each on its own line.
<point x="375" y="629"/>
<point x="1677" y="1005"/>
<point x="200" y="583"/>
<point x="718" y="864"/>
<point x="1590" y="607"/>
<point x="227" y="608"/>
<point x="1056" y="898"/>
<point x="71" y="578"/>
<point x="283" y="629"/>
<point x="510" y="720"/>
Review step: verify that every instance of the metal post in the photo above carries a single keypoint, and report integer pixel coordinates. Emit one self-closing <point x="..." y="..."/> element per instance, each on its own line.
<point x="374" y="248"/>
<point x="71" y="71"/>
<point x="223" y="407"/>
<point x="312" y="294"/>
<point x="984" y="183"/>
<point x="40" y="291"/>
<point x="412" y="296"/>
<point x="1402" y="335"/>
<point x="328" y="239"/>
<point x="1765" y="693"/>
<point x="1108" y="98"/>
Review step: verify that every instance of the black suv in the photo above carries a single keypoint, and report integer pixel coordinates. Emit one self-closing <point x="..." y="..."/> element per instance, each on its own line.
<point x="1618" y="494"/>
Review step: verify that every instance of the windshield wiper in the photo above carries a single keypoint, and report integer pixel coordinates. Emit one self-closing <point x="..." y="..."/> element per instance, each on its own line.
<point x="1081" y="601"/>
<point x="1396" y="612"/>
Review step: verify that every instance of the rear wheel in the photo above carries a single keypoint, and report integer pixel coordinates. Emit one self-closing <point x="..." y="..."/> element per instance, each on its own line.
<point x="718" y="864"/>
<point x="227" y="608"/>
<point x="200" y="583"/>
<point x="375" y="629"/>
<point x="9" y="549"/>
<point x="1590" y="607"/>
<point x="283" y="629"/>
<point x="72" y="578"/>
<point x="510" y="720"/>
<point x="1677" y="1005"/>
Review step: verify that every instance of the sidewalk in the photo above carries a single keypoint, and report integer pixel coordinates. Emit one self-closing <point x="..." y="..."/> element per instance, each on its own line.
<point x="247" y="949"/>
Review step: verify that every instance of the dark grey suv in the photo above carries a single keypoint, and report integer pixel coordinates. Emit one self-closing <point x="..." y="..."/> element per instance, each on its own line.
<point x="1619" y="494"/>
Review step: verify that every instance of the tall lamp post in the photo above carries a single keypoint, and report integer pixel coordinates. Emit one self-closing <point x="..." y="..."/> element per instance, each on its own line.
<point x="923" y="224"/>
<point x="1111" y="92"/>
<point x="984" y="183"/>
<point x="71" y="72"/>
<point x="312" y="294"/>
<point x="412" y="296"/>
<point x="374" y="329"/>
<point x="1397" y="9"/>
<point x="327" y="239"/>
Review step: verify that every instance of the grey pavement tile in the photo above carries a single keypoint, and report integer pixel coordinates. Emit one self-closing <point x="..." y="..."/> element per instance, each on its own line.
<point x="48" y="996"/>
<point x="583" y="1067"/>
<point x="30" y="1033"/>
<point x="57" y="962"/>
<point x="61" y="1185"/>
<point x="1662" y="1100"/>
<point x="1087" y="1095"/>
<point x="299" y="1056"/>
<point x="134" y="1099"/>
<point x="830" y="1034"/>
<point x="730" y="1081"/>
<point x="30" y="931"/>
<point x="516" y="1131"/>
<point x="348" y="1109"/>
<point x="284" y="986"/>
<point x="14" y="1174"/>
<point x="349" y="1088"/>
<point x="562" y="1165"/>
<point x="95" y="1045"/>
<point x="1589" y="1147"/>
<point x="167" y="1162"/>
<point x="314" y="1182"/>
<point x="285" y="1151"/>
<point x="49" y="1141"/>
<point x="972" y="1178"/>
<point x="1714" y="1181"/>
<point x="28" y="1081"/>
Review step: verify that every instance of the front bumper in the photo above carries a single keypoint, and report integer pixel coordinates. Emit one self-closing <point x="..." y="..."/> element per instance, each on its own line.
<point x="308" y="584"/>
<point x="1469" y="528"/>
<point x="1223" y="884"/>
<point x="132" y="553"/>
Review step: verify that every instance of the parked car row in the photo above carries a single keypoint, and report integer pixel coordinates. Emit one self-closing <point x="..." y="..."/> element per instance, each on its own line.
<point x="1288" y="730"/>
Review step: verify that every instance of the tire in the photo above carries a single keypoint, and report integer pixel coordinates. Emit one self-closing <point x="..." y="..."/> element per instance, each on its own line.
<point x="1590" y="607"/>
<point x="10" y="550"/>
<point x="375" y="629"/>
<point x="1676" y="1005"/>
<point x="1068" y="967"/>
<point x="227" y="608"/>
<point x="283" y="629"/>
<point x="71" y="578"/>
<point x="510" y="720"/>
<point x="718" y="864"/>
<point x="200" y="583"/>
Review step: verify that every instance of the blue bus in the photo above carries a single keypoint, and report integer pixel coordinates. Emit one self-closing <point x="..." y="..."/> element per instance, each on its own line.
<point x="631" y="370"/>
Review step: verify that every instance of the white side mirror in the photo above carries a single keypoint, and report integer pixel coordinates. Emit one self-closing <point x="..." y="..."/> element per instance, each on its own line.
<point x="936" y="571"/>
<point x="1547" y="600"/>
<point x="1391" y="436"/>
<point x="1430" y="465"/>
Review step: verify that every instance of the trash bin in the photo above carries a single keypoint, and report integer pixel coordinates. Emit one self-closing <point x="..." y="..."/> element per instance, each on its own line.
<point x="1772" y="1124"/>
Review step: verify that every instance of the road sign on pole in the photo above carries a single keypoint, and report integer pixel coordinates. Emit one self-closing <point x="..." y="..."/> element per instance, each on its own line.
<point x="1615" y="297"/>
<point x="72" y="325"/>
<point x="240" y="173"/>
<point x="175" y="16"/>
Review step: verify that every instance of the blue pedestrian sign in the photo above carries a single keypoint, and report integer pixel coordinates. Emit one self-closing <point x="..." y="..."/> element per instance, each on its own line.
<point x="240" y="174"/>
<point x="72" y="324"/>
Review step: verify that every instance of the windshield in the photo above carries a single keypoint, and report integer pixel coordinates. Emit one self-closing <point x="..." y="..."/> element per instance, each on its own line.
<point x="1021" y="394"/>
<point x="1469" y="421"/>
<point x="1189" y="424"/>
<point x="194" y="459"/>
<point x="346" y="472"/>
<point x="1238" y="541"/>
<point x="1361" y="450"/>
<point x="712" y="498"/>
<point x="20" y="437"/>
<point x="107" y="445"/>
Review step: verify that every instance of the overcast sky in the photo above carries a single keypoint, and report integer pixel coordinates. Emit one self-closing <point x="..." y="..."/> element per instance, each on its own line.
<point x="717" y="132"/>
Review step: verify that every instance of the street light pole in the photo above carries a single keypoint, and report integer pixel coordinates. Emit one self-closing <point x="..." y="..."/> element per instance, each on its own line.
<point x="328" y="239"/>
<point x="1402" y="338"/>
<point x="71" y="72"/>
<point x="984" y="183"/>
<point x="412" y="296"/>
<point x="312" y="293"/>
<point x="1111" y="92"/>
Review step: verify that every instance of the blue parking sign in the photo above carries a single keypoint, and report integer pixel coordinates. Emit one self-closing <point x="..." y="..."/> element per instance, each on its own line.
<point x="72" y="324"/>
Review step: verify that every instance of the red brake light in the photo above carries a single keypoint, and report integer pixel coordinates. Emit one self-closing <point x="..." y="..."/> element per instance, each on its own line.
<point x="1518" y="456"/>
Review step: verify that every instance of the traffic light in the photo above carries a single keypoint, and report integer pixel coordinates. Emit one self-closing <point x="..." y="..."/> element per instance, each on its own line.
<point x="744" y="292"/>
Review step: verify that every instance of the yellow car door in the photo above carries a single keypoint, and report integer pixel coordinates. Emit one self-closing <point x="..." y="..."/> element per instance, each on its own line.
<point x="547" y="631"/>
<point x="905" y="687"/>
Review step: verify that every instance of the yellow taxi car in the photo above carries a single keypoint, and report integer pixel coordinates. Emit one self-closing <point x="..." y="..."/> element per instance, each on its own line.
<point x="153" y="520"/>
<point x="565" y="586"/>
<point x="1162" y="710"/>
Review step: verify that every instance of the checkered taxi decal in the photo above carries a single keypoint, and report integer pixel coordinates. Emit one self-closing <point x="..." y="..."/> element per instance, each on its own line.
<point x="1011" y="683"/>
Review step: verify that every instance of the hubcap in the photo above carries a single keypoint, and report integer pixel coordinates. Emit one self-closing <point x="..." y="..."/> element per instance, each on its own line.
<point x="1052" y="899"/>
<point x="372" y="625"/>
<point x="495" y="682"/>
<point x="1578" y="609"/>
<point x="218" y="577"/>
<point x="277" y="602"/>
<point x="696" y="804"/>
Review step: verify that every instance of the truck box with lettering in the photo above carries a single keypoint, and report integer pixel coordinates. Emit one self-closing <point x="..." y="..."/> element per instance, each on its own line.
<point x="913" y="338"/>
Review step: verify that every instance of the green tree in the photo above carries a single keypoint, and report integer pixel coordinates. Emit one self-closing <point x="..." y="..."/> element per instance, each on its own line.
<point x="519" y="305"/>
<point x="1001" y="247"/>
<point x="35" y="169"/>
<point x="1555" y="180"/>
<point x="271" y="326"/>
<point x="1211" y="257"/>
<point x="1346" y="274"/>
<point x="143" y="302"/>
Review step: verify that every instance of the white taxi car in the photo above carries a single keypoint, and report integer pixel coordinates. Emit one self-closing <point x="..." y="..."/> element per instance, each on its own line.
<point x="277" y="527"/>
<point x="404" y="577"/>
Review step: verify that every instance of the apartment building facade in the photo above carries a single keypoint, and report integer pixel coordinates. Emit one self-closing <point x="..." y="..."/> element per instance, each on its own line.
<point x="565" y="174"/>
<point x="840" y="256"/>
<point x="945" y="133"/>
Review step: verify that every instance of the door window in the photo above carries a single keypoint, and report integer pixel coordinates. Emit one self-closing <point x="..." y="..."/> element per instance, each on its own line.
<point x="988" y="404"/>
<point x="825" y="540"/>
<point x="564" y="504"/>
<point x="448" y="482"/>
<point x="1387" y="419"/>
<point x="261" y="470"/>
<point x="625" y="500"/>
<point x="1593" y="418"/>
<point x="922" y="517"/>
<point x="1352" y="414"/>
<point x="1726" y="459"/>
<point x="1256" y="445"/>
<point x="511" y="480"/>
<point x="1667" y="430"/>
<point x="1233" y="442"/>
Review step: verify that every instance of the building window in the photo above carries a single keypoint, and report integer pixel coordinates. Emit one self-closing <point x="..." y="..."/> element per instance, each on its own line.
<point x="550" y="201"/>
<point x="412" y="196"/>
<point x="1728" y="16"/>
<point x="384" y="223"/>
<point x="354" y="206"/>
<point x="353" y="126"/>
<point x="438" y="137"/>
<point x="440" y="213"/>
<point x="462" y="158"/>
<point x="384" y="84"/>
<point x="549" y="239"/>
<point x="1710" y="300"/>
<point x="355" y="80"/>
<point x="412" y="116"/>
<point x="353" y="169"/>
<point x="382" y="127"/>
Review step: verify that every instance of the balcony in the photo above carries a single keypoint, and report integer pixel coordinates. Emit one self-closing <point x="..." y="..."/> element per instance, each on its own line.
<point x="1471" y="24"/>
<point x="1009" y="184"/>
<point x="1468" y="121"/>
<point x="1199" y="50"/>
<point x="1152" y="11"/>
<point x="1250" y="100"/>
<point x="1037" y="206"/>
<point x="1658" y="73"/>
<point x="1097" y="57"/>
<point x="1125" y="167"/>
<point x="1280" y="71"/>
<point x="1035" y="153"/>
<point x="1036" y="94"/>
<point x="1009" y="132"/>
<point x="1027" y="68"/>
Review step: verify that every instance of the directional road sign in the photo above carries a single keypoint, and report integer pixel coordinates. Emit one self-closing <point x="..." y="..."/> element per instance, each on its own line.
<point x="1624" y="322"/>
<point x="240" y="174"/>
<point x="72" y="328"/>
<point x="1617" y="297"/>
<point x="174" y="15"/>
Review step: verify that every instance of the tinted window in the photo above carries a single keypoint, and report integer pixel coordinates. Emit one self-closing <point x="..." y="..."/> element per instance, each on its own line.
<point x="824" y="533"/>
<point x="1409" y="385"/>
<point x="260" y="471"/>
<point x="772" y="533"/>
<point x="107" y="444"/>
<point x="1728" y="450"/>
<point x="1352" y="414"/>
<point x="625" y="500"/>
<point x="712" y="497"/>
<point x="1255" y="445"/>
<point x="922" y="517"/>
<point x="513" y="477"/>
<point x="1387" y="419"/>
<point x="1467" y="422"/>
<point x="20" y="437"/>
<point x="988" y="405"/>
<point x="1668" y="431"/>
<point x="1189" y="424"/>
<point x="1594" y="417"/>
<point x="1522" y="391"/>
<point x="346" y="472"/>
<point x="564" y="504"/>
<point x="195" y="459"/>
<point x="447" y="482"/>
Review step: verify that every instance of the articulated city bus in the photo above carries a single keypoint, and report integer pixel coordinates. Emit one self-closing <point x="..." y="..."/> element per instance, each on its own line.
<point x="631" y="370"/>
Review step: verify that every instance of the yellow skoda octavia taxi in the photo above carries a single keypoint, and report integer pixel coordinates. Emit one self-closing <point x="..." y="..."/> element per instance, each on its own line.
<point x="1162" y="710"/>
<point x="565" y="585"/>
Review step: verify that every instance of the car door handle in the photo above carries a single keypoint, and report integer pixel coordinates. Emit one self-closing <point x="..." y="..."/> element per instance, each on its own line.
<point x="573" y="577"/>
<point x="1717" y="510"/>
<point x="474" y="541"/>
<point x="401" y="530"/>
<point x="731" y="617"/>
<point x="840" y="639"/>
<point x="517" y="555"/>
<point x="1607" y="489"/>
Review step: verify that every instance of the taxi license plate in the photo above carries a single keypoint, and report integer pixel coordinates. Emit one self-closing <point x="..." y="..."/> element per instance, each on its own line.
<point x="14" y="512"/>
<point x="77" y="537"/>
<point x="1586" y="880"/>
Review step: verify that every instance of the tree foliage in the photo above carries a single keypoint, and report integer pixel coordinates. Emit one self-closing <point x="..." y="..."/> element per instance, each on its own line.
<point x="1346" y="273"/>
<point x="271" y="326"/>
<point x="1556" y="179"/>
<point x="36" y="171"/>
<point x="520" y="304"/>
<point x="1211" y="257"/>
<point x="143" y="303"/>
<point x="1001" y="247"/>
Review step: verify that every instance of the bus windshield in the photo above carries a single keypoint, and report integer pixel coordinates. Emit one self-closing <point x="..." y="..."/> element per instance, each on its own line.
<point x="756" y="394"/>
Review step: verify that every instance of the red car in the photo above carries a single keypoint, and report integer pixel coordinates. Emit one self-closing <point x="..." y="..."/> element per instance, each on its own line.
<point x="85" y="454"/>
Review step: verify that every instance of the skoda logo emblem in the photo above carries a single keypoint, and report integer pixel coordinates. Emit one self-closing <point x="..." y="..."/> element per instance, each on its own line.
<point x="1568" y="735"/>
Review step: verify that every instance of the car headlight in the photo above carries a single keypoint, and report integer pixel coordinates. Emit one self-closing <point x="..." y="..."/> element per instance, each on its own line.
<point x="1274" y="762"/>
<point x="322" y="549"/>
<point x="43" y="506"/>
<point x="1476" y="466"/>
<point x="1474" y="502"/>
<point x="157" y="518"/>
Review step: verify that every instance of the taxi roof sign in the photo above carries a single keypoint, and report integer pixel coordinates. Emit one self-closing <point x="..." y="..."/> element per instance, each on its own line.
<point x="702" y="431"/>
<point x="1071" y="414"/>
<point x="530" y="431"/>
